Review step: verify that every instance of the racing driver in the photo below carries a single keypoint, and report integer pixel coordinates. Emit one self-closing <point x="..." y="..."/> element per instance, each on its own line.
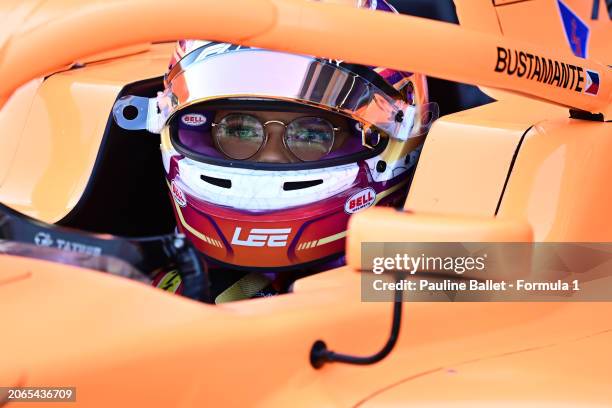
<point x="267" y="155"/>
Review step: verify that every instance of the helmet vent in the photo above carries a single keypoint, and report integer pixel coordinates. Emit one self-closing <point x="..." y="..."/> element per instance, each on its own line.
<point x="298" y="185"/>
<point x="219" y="182"/>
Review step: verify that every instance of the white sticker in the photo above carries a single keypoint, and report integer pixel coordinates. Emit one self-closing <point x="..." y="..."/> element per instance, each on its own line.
<point x="360" y="201"/>
<point x="43" y="239"/>
<point x="193" y="119"/>
<point x="178" y="194"/>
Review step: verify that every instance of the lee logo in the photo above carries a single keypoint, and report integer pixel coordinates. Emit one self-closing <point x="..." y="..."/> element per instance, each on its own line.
<point x="193" y="119"/>
<point x="178" y="194"/>
<point x="360" y="201"/>
<point x="262" y="237"/>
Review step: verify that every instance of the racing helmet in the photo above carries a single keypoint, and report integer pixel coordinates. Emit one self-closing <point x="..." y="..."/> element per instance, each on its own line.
<point x="353" y="137"/>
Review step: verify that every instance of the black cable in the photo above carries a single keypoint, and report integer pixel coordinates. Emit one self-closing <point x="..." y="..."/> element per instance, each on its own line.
<point x="320" y="354"/>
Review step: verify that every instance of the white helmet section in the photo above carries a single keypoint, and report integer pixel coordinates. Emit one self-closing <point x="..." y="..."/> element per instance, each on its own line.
<point x="255" y="190"/>
<point x="263" y="190"/>
<point x="392" y="169"/>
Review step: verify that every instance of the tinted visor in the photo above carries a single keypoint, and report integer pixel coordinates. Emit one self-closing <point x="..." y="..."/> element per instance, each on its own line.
<point x="232" y="134"/>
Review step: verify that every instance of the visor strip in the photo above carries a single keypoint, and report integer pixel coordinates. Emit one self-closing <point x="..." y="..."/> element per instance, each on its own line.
<point x="322" y="241"/>
<point x="387" y="192"/>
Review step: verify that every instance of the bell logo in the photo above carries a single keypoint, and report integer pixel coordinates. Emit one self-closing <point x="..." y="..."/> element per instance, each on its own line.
<point x="262" y="237"/>
<point x="360" y="201"/>
<point x="193" y="119"/>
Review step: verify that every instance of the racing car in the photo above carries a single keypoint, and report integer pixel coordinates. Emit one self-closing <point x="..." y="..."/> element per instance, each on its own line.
<point x="531" y="166"/>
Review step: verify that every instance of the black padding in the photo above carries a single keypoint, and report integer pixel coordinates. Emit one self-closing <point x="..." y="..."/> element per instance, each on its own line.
<point x="126" y="193"/>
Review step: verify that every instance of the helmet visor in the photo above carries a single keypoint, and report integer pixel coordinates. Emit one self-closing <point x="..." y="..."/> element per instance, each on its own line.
<point x="235" y="135"/>
<point x="261" y="74"/>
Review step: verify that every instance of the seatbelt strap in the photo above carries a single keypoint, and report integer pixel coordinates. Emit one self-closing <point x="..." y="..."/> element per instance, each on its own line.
<point x="245" y="288"/>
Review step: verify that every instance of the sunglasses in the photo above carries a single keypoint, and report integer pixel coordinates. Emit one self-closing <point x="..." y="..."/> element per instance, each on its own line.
<point x="241" y="136"/>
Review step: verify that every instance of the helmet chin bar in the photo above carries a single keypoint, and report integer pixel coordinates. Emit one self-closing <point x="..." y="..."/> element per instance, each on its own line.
<point x="264" y="190"/>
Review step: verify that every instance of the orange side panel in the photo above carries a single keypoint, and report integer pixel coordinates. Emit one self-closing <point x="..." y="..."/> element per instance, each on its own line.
<point x="539" y="22"/>
<point x="479" y="16"/>
<point x="517" y="21"/>
<point x="123" y="343"/>
<point x="491" y="381"/>
<point x="388" y="225"/>
<point x="467" y="156"/>
<point x="599" y="43"/>
<point x="12" y="121"/>
<point x="53" y="138"/>
<point x="561" y="181"/>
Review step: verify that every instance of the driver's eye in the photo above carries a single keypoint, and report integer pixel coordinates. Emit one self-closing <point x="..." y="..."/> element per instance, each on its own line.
<point x="240" y="127"/>
<point x="241" y="132"/>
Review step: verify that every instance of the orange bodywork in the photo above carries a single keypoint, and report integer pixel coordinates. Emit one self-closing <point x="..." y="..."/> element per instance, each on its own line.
<point x="517" y="170"/>
<point x="44" y="176"/>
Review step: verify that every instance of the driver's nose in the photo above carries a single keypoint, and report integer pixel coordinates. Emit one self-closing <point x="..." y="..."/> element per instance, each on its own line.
<point x="274" y="150"/>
